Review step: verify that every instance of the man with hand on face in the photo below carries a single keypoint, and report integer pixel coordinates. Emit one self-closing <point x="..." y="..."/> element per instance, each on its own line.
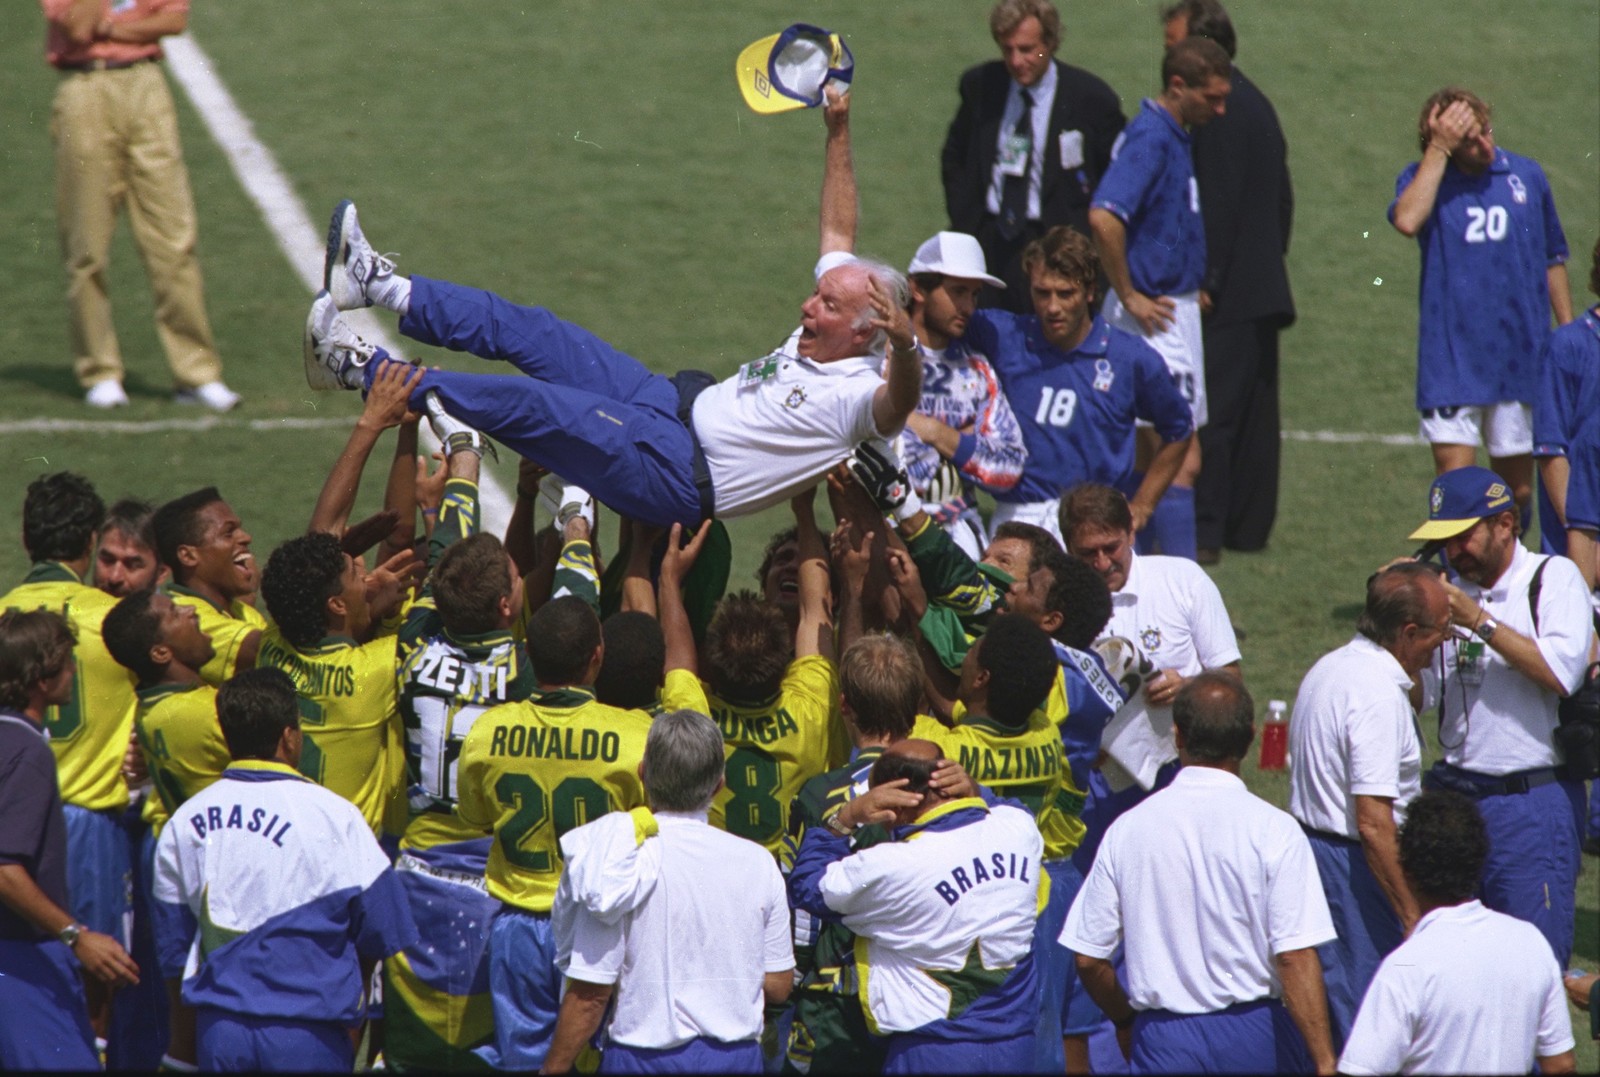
<point x="1147" y="225"/>
<point x="1525" y="636"/>
<point x="1032" y="138"/>
<point x="203" y="542"/>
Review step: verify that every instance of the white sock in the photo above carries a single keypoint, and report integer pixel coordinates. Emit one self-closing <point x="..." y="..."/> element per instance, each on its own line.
<point x="173" y="1065"/>
<point x="393" y="294"/>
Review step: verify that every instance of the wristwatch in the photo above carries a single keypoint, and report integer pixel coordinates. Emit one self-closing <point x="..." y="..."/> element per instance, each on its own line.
<point x="1485" y="629"/>
<point x="835" y="824"/>
<point x="69" y="934"/>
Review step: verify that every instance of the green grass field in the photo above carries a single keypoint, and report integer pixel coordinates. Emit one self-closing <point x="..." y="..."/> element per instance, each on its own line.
<point x="597" y="159"/>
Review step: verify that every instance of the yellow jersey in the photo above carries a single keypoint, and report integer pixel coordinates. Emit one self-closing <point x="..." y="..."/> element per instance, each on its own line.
<point x="773" y="748"/>
<point x="182" y="744"/>
<point x="89" y="733"/>
<point x="349" y="724"/>
<point x="226" y="627"/>
<point x="531" y="771"/>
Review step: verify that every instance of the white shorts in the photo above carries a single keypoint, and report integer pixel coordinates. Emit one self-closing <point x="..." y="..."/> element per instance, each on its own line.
<point x="1045" y="514"/>
<point x="1179" y="344"/>
<point x="1506" y="429"/>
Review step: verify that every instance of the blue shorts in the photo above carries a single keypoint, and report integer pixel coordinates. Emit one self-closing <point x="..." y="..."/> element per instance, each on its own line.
<point x="697" y="1056"/>
<point x="45" y="1014"/>
<point x="1252" y="1037"/>
<point x="100" y="872"/>
<point x="525" y="987"/>
<point x="910" y="1053"/>
<point x="437" y="1006"/>
<point x="1367" y="925"/>
<point x="238" y="1043"/>
<point x="1054" y="963"/>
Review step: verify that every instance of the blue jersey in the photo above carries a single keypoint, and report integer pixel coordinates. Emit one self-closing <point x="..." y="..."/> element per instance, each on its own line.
<point x="1583" y="482"/>
<point x="1484" y="293"/>
<point x="1569" y="384"/>
<point x="1077" y="408"/>
<point x="1150" y="186"/>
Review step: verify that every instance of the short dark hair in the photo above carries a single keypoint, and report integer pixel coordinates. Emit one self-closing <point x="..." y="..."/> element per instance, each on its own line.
<point x="60" y="516"/>
<point x="1195" y="60"/>
<point x="130" y="629"/>
<point x="131" y="517"/>
<point x="1204" y="18"/>
<point x="469" y="581"/>
<point x="1022" y="668"/>
<point x="777" y="542"/>
<point x="177" y="523"/>
<point x="1444" y="98"/>
<point x="1216" y="716"/>
<point x="748" y="649"/>
<point x="1443" y="846"/>
<point x="301" y="575"/>
<point x="1040" y="542"/>
<point x="892" y="766"/>
<point x="880" y="678"/>
<point x="34" y="646"/>
<point x="562" y="637"/>
<point x="254" y="708"/>
<point x="1067" y="253"/>
<point x="1081" y="597"/>
<point x="1395" y="598"/>
<point x="636" y="656"/>
<point x="1093" y="504"/>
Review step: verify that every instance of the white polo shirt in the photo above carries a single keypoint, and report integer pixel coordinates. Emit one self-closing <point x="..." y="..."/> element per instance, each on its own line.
<point x="1353" y="733"/>
<point x="1471" y="991"/>
<point x="1174" y="613"/>
<point x="1508" y="723"/>
<point x="1203" y="883"/>
<point x="772" y="430"/>
<point x="689" y="960"/>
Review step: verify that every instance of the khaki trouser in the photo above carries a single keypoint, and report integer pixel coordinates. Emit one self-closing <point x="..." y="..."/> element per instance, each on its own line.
<point x="116" y="141"/>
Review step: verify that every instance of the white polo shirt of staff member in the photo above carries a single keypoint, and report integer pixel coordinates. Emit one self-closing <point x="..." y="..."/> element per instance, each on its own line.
<point x="685" y="925"/>
<point x="1355" y="763"/>
<point x="1213" y="893"/>
<point x="1527" y="636"/>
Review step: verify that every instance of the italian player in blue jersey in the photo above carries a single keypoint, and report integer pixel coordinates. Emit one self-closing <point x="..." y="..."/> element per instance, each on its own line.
<point x="1569" y="392"/>
<point x="1146" y="221"/>
<point x="1076" y="386"/>
<point x="1493" y="262"/>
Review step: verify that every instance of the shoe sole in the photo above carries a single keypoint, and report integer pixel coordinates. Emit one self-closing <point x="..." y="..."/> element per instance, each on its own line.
<point x="338" y="249"/>
<point x="318" y="376"/>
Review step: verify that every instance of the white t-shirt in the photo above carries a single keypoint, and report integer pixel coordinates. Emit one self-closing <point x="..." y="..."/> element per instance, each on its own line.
<point x="772" y="430"/>
<point x="1174" y="613"/>
<point x="1353" y="733"/>
<point x="1203" y="883"/>
<point x="1471" y="991"/>
<point x="1508" y="723"/>
<point x="690" y="959"/>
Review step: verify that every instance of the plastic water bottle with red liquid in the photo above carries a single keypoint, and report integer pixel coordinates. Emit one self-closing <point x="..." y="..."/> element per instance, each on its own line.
<point x="1275" y="736"/>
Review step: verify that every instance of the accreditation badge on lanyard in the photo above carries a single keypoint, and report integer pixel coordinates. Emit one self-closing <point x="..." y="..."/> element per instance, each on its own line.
<point x="758" y="370"/>
<point x="1015" y="153"/>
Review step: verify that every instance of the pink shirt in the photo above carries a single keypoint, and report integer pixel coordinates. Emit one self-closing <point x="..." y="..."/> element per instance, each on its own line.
<point x="61" y="52"/>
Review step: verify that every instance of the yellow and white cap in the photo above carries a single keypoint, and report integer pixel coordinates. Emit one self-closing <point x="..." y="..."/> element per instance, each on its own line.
<point x="789" y="70"/>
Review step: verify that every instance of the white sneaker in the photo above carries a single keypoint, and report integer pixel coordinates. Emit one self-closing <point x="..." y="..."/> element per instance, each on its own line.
<point x="213" y="394"/>
<point x="351" y="269"/>
<point x="335" y="354"/>
<point x="455" y="435"/>
<point x="106" y="395"/>
<point x="564" y="500"/>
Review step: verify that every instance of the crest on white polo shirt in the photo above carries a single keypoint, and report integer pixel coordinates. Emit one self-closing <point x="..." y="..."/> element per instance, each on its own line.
<point x="1103" y="375"/>
<point x="1150" y="638"/>
<point x="1519" y="193"/>
<point x="796" y="397"/>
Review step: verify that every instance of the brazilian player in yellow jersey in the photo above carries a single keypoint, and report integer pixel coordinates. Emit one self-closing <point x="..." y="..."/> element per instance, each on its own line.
<point x="203" y="543"/>
<point x="529" y="772"/>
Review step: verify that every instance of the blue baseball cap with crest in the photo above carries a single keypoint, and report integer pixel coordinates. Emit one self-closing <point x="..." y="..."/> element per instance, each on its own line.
<point x="789" y="69"/>
<point x="1461" y="498"/>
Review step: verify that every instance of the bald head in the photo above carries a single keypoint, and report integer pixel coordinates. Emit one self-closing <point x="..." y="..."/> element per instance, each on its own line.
<point x="1407" y="613"/>
<point x="1213" y="719"/>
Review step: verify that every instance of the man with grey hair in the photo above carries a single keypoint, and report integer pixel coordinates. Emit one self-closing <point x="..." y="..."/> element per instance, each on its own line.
<point x="660" y="450"/>
<point x="1356" y="765"/>
<point x="687" y="926"/>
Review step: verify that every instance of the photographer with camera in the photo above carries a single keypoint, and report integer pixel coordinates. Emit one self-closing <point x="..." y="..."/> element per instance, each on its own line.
<point x="1524" y="641"/>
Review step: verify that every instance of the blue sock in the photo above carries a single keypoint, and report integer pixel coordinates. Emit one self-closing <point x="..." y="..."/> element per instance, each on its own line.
<point x="1171" y="526"/>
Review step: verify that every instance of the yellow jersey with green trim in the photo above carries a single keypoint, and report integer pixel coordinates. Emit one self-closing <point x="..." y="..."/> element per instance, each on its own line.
<point x="182" y="744"/>
<point x="531" y="771"/>
<point x="227" y="628"/>
<point x="773" y="748"/>
<point x="349" y="724"/>
<point x="88" y="733"/>
<point x="682" y="691"/>
<point x="1025" y="764"/>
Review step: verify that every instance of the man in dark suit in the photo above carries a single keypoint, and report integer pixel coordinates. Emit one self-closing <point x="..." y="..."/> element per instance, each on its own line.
<point x="1028" y="145"/>
<point x="1247" y="205"/>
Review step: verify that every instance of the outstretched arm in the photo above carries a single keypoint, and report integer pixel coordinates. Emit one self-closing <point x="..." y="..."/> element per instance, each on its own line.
<point x="837" y="226"/>
<point x="386" y="406"/>
<point x="814" y="635"/>
<point x="901" y="391"/>
<point x="676" y="632"/>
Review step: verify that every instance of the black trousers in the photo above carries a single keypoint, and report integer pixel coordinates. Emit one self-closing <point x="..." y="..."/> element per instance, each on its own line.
<point x="1236" y="497"/>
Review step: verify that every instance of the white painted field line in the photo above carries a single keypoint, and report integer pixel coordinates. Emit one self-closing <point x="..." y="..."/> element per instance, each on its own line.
<point x="1339" y="437"/>
<point x="301" y="240"/>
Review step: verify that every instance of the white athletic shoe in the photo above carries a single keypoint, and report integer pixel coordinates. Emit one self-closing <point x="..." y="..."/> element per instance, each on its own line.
<point x="452" y="433"/>
<point x="213" y="395"/>
<point x="106" y="395"/>
<point x="351" y="269"/>
<point x="335" y="354"/>
<point x="564" y="500"/>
